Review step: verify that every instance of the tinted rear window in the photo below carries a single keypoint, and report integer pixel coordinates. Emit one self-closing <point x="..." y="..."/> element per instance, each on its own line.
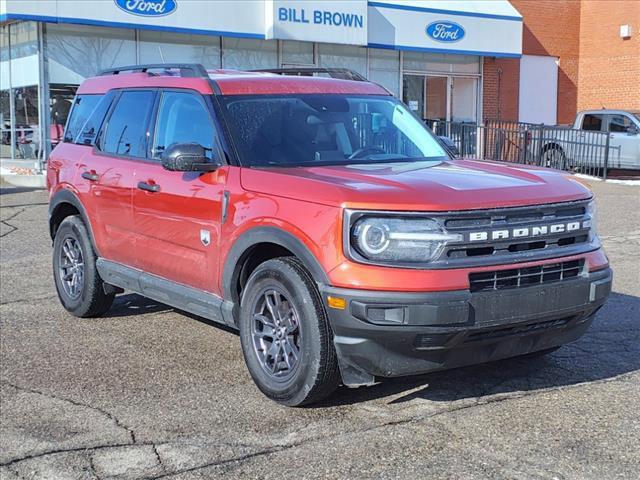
<point x="592" y="122"/>
<point x="127" y="127"/>
<point x="83" y="107"/>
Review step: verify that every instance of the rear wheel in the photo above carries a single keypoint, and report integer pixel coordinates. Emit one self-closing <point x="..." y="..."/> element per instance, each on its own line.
<point x="286" y="338"/>
<point x="79" y="286"/>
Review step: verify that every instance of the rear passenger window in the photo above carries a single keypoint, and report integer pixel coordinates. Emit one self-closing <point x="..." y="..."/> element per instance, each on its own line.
<point x="592" y="122"/>
<point x="126" y="132"/>
<point x="183" y="118"/>
<point x="83" y="107"/>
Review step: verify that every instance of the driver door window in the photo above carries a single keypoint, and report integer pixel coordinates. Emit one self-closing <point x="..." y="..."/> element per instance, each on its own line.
<point x="183" y="118"/>
<point x="619" y="123"/>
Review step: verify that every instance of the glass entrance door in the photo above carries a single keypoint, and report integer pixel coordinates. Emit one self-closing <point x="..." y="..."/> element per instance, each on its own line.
<point x="436" y="92"/>
<point x="441" y="98"/>
<point x="464" y="99"/>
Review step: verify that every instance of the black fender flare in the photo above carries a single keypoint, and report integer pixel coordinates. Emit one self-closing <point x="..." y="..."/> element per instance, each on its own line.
<point x="65" y="196"/>
<point x="254" y="236"/>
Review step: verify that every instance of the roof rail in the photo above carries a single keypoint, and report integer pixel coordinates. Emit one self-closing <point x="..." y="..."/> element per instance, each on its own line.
<point x="341" y="73"/>
<point x="186" y="69"/>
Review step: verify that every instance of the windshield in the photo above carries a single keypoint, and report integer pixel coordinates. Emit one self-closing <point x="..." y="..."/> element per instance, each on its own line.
<point x="310" y="130"/>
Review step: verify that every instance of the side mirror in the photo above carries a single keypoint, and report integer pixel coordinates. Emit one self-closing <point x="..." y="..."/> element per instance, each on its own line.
<point x="188" y="157"/>
<point x="633" y="129"/>
<point x="449" y="146"/>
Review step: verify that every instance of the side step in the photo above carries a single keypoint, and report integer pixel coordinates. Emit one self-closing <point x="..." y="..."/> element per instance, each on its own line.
<point x="179" y="296"/>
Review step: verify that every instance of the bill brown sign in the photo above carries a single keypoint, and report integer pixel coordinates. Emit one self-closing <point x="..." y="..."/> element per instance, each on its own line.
<point x="320" y="21"/>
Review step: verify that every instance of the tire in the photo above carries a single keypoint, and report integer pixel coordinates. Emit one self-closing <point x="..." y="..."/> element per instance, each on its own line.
<point x="284" y="286"/>
<point x="72" y="247"/>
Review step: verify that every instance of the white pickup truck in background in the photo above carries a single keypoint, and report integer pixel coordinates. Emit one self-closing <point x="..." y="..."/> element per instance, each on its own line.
<point x="584" y="145"/>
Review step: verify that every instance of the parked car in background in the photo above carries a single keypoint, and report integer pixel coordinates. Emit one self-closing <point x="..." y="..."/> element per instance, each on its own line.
<point x="595" y="138"/>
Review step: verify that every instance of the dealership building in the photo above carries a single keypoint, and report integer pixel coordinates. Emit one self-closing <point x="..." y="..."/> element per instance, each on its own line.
<point x="429" y="53"/>
<point x="535" y="61"/>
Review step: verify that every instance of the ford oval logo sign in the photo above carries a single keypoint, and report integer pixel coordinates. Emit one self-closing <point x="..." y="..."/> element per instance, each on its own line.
<point x="445" y="31"/>
<point x="148" y="8"/>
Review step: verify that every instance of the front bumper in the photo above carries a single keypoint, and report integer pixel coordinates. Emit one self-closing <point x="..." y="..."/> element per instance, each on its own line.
<point x="389" y="334"/>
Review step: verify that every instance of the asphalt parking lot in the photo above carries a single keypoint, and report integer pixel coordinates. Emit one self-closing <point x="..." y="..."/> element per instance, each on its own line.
<point x="148" y="392"/>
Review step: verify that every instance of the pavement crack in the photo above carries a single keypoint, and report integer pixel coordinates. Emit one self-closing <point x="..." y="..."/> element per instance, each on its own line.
<point x="217" y="463"/>
<point x="27" y="300"/>
<point x="160" y="462"/>
<point x="5" y="222"/>
<point x="107" y="414"/>
<point x="62" y="451"/>
<point x="393" y="423"/>
<point x="92" y="467"/>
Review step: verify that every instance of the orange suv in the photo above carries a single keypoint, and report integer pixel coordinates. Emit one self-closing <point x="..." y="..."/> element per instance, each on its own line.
<point x="320" y="218"/>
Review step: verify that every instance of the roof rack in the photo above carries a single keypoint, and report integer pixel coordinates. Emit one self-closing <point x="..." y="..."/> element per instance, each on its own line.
<point x="341" y="73"/>
<point x="186" y="69"/>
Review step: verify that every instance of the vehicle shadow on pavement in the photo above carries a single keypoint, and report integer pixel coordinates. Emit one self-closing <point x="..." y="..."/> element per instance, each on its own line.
<point x="134" y="304"/>
<point x="610" y="348"/>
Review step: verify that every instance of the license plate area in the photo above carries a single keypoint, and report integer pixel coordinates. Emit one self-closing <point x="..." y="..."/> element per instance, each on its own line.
<point x="499" y="307"/>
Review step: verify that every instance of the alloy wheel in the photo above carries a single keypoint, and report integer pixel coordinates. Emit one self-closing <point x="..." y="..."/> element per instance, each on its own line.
<point x="71" y="268"/>
<point x="275" y="331"/>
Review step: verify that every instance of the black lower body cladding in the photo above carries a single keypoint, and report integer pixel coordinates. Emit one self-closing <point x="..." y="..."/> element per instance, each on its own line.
<point x="390" y="334"/>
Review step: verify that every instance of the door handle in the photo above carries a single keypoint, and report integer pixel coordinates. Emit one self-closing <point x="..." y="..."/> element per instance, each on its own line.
<point x="92" y="176"/>
<point x="149" y="187"/>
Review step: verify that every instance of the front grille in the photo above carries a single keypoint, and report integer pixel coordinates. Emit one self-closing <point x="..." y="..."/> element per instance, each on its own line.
<point x="506" y="235"/>
<point x="517" y="330"/>
<point x="525" y="277"/>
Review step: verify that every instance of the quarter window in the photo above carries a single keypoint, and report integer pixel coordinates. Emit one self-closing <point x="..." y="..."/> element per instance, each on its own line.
<point x="592" y="122"/>
<point x="83" y="106"/>
<point x="127" y="128"/>
<point x="183" y="118"/>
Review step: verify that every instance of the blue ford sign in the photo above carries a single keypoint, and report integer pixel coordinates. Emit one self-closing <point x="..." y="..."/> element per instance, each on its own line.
<point x="445" y="31"/>
<point x="148" y="8"/>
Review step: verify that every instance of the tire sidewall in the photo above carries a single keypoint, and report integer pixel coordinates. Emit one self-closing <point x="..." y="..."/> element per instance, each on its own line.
<point x="73" y="227"/>
<point x="274" y="273"/>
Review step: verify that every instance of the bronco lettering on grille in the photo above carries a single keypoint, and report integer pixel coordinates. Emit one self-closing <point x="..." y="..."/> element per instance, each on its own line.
<point x="525" y="232"/>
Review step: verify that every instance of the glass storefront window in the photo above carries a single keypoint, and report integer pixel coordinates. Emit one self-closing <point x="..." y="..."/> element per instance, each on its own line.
<point x="169" y="47"/>
<point x="343" y="56"/>
<point x="5" y="100"/>
<point x="440" y="62"/>
<point x="384" y="68"/>
<point x="19" y="92"/>
<point x="75" y="52"/>
<point x="297" y="53"/>
<point x="249" y="54"/>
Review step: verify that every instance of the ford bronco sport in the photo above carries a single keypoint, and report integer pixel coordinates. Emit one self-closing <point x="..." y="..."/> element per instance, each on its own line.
<point x="320" y="218"/>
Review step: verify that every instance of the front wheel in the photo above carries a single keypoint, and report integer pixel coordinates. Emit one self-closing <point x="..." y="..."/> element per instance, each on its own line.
<point x="79" y="286"/>
<point x="285" y="334"/>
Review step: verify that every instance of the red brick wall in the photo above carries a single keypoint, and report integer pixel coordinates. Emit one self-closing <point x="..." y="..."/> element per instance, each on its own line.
<point x="500" y="89"/>
<point x="609" y="65"/>
<point x="550" y="28"/>
<point x="596" y="67"/>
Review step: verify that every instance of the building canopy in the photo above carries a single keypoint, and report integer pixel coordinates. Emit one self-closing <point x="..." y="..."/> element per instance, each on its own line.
<point x="472" y="27"/>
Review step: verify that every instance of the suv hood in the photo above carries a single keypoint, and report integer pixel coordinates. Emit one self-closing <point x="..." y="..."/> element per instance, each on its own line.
<point x="418" y="186"/>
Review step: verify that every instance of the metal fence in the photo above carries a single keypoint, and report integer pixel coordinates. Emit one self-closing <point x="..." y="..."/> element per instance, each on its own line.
<point x="531" y="144"/>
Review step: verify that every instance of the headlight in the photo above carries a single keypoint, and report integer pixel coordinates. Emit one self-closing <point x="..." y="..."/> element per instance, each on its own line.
<point x="593" y="218"/>
<point x="400" y="239"/>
